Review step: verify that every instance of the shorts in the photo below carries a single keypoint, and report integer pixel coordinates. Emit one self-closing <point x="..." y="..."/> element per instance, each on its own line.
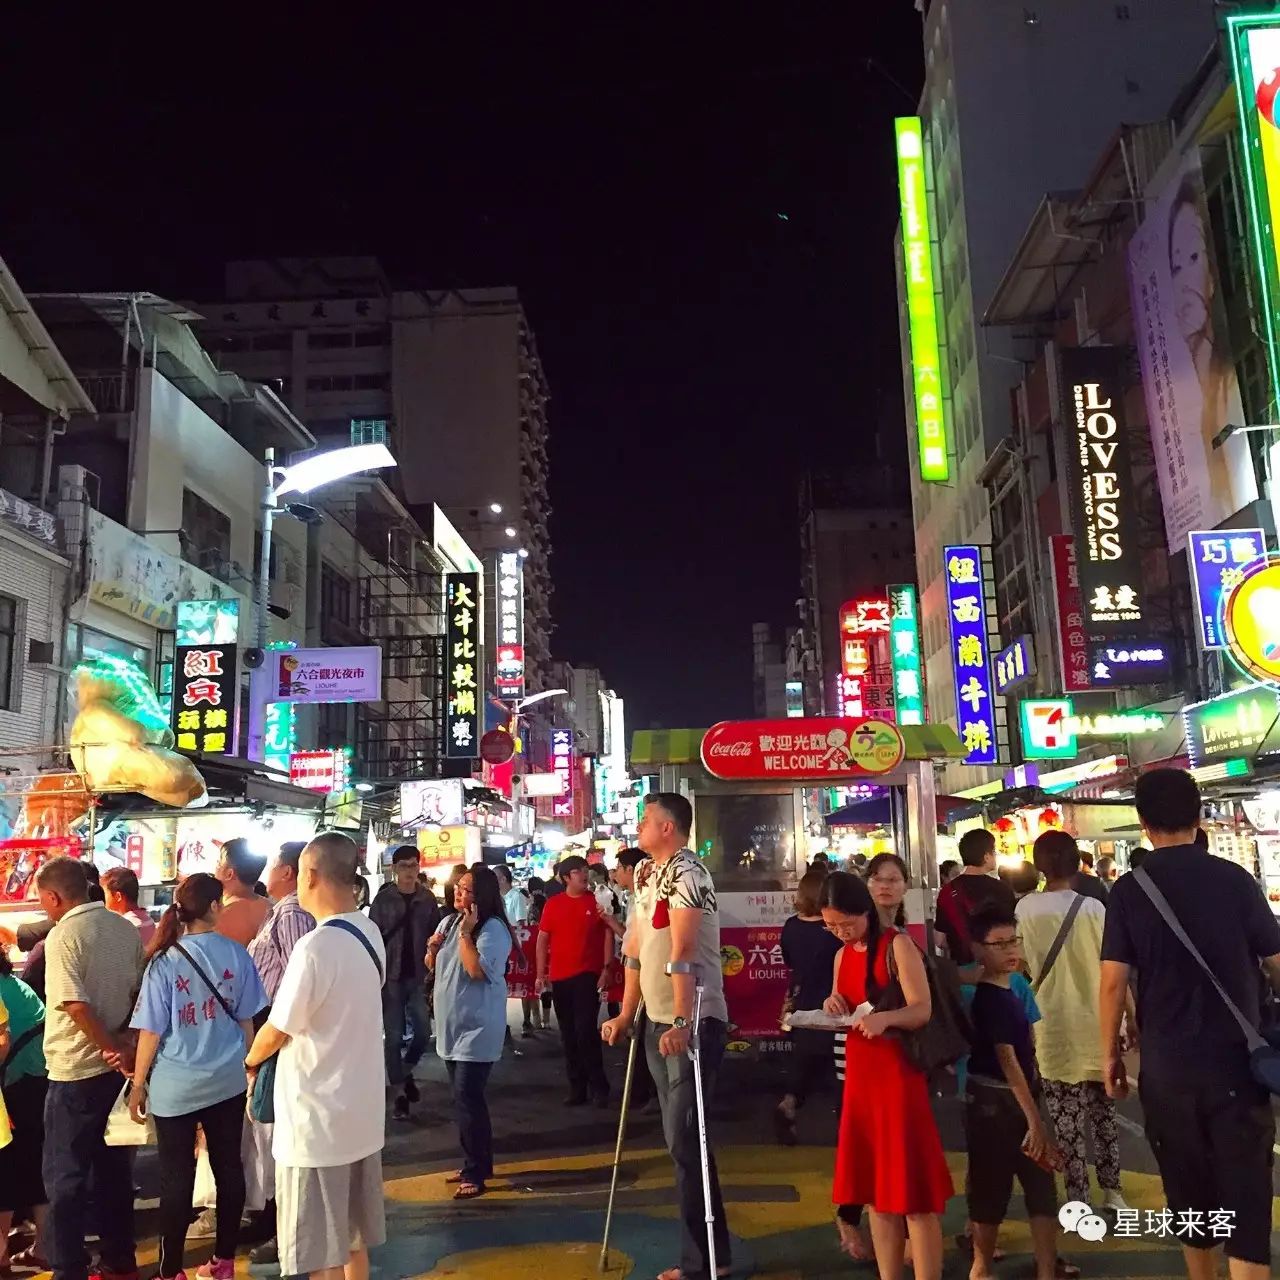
<point x="324" y="1215"/>
<point x="995" y="1128"/>
<point x="1213" y="1144"/>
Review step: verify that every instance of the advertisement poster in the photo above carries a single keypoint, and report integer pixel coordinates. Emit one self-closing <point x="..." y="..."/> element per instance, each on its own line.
<point x="327" y="675"/>
<point x="824" y="747"/>
<point x="20" y="859"/>
<point x="522" y="964"/>
<point x="755" y="975"/>
<point x="1188" y="374"/>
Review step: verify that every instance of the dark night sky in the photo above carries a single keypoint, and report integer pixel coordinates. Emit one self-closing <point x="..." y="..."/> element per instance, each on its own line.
<point x="698" y="212"/>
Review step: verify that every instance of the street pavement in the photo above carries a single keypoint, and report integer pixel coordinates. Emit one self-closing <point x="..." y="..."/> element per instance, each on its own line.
<point x="544" y="1215"/>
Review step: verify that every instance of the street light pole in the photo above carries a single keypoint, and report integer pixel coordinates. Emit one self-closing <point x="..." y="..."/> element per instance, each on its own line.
<point x="264" y="551"/>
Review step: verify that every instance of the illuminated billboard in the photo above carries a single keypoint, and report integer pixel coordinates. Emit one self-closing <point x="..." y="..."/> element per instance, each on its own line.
<point x="908" y="669"/>
<point x="970" y="653"/>
<point x="927" y="370"/>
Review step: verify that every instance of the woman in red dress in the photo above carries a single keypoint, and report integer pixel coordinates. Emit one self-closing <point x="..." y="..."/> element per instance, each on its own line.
<point x="889" y="1156"/>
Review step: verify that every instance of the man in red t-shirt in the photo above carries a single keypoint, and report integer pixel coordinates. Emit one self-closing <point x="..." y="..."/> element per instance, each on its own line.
<point x="973" y="888"/>
<point x="575" y="953"/>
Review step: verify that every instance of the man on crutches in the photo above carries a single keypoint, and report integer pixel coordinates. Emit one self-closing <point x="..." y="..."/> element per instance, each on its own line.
<point x="672" y="958"/>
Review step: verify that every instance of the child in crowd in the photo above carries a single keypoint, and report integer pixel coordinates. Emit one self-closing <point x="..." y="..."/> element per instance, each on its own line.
<point x="1005" y="1131"/>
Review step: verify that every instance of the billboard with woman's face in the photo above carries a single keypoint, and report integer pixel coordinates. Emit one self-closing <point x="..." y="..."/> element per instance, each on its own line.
<point x="1188" y="372"/>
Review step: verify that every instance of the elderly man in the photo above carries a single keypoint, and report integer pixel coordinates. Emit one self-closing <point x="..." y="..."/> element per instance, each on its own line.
<point x="94" y="964"/>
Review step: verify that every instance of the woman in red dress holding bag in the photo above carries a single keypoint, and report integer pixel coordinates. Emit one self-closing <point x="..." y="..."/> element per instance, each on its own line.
<point x="889" y="1155"/>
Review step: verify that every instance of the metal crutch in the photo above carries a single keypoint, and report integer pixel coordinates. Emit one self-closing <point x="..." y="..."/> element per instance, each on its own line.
<point x="622" y="1133"/>
<point x="695" y="1052"/>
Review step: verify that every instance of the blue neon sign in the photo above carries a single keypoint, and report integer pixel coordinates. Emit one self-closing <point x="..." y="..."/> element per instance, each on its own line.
<point x="1218" y="559"/>
<point x="970" y="657"/>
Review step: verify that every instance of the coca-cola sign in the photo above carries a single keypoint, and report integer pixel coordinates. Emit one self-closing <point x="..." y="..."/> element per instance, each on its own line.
<point x="826" y="748"/>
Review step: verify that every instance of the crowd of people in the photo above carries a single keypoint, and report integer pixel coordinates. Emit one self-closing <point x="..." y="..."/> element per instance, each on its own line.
<point x="242" y="1031"/>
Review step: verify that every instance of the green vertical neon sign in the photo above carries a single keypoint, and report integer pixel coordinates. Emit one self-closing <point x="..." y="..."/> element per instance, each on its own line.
<point x="922" y="308"/>
<point x="1255" y="63"/>
<point x="908" y="672"/>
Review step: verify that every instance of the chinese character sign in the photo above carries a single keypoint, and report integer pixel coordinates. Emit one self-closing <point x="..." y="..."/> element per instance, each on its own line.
<point x="1100" y="486"/>
<point x="928" y="373"/>
<point x="864" y="617"/>
<point x="904" y="640"/>
<point x="508" y="675"/>
<point x="327" y="675"/>
<point x="1218" y="559"/>
<point x="970" y="659"/>
<point x="1073" y="639"/>
<point x="1015" y="665"/>
<point x="463" y="664"/>
<point x="562" y="767"/>
<point x="206" y="699"/>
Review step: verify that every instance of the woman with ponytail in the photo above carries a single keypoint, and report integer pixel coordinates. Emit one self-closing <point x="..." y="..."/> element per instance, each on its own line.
<point x="194" y="1017"/>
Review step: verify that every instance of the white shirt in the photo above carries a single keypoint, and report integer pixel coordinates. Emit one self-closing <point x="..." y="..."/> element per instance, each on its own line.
<point x="516" y="904"/>
<point x="331" y="1077"/>
<point x="1068" y="1038"/>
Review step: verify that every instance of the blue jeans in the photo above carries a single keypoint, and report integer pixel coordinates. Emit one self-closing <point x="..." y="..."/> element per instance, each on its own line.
<point x="475" y="1132"/>
<point x="401" y="996"/>
<point x="75" y="1119"/>
<point x="673" y="1080"/>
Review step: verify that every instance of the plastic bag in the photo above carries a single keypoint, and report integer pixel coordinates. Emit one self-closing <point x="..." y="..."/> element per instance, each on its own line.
<point x="122" y="1129"/>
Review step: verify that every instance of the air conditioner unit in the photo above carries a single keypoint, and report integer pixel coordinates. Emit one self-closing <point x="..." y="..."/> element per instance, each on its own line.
<point x="40" y="653"/>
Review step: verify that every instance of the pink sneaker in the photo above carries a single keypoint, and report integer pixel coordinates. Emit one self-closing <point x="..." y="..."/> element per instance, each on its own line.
<point x="217" y="1269"/>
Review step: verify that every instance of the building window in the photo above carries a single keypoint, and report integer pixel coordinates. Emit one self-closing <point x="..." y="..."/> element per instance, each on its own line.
<point x="329" y="339"/>
<point x="1122" y="12"/>
<point x="8" y="652"/>
<point x="206" y="535"/>
<point x="335" y="596"/>
<point x="372" y="381"/>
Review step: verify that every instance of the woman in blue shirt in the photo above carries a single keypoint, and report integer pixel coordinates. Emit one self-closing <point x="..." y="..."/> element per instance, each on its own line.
<point x="469" y="957"/>
<point x="24" y="1081"/>
<point x="195" y="1013"/>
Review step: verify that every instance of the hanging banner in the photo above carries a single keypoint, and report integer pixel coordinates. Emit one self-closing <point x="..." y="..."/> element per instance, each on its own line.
<point x="463" y="662"/>
<point x="908" y="669"/>
<point x="1188" y="374"/>
<point x="970" y="656"/>
<point x="1068" y="611"/>
<point x="1217" y="559"/>
<point x="206" y="699"/>
<point x="1100" y="485"/>
<point x="508" y="675"/>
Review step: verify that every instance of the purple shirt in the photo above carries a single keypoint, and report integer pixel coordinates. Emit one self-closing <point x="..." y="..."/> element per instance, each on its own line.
<point x="275" y="942"/>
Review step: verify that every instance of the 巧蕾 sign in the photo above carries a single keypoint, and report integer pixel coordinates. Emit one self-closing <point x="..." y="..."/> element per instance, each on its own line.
<point x="818" y="747"/>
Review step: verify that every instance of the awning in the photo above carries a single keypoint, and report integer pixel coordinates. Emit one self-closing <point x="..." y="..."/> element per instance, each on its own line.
<point x="651" y="747"/>
<point x="876" y="812"/>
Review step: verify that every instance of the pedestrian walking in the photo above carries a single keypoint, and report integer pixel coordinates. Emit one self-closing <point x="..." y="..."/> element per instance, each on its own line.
<point x="243" y="910"/>
<point x="515" y="902"/>
<point x="889" y="1156"/>
<point x="120" y="888"/>
<point x="194" y="1018"/>
<point x="672" y="950"/>
<point x="1061" y="935"/>
<point x="1086" y="882"/>
<point x="1210" y="1125"/>
<point x="1005" y="1133"/>
<point x="330" y="1115"/>
<point x="406" y="915"/>
<point x="94" y="961"/>
<point x="808" y="951"/>
<point x="575" y="952"/>
<point x="287" y="924"/>
<point x="975" y="887"/>
<point x="25" y="1080"/>
<point x="468" y="956"/>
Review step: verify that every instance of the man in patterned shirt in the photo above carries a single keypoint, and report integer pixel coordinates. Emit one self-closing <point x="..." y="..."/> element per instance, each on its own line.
<point x="271" y="950"/>
<point x="673" y="944"/>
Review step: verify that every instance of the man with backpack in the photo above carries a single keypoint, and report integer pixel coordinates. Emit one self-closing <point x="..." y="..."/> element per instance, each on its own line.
<point x="975" y="888"/>
<point x="1183" y="916"/>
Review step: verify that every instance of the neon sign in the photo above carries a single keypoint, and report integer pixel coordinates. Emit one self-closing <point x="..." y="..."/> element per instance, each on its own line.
<point x="970" y="656"/>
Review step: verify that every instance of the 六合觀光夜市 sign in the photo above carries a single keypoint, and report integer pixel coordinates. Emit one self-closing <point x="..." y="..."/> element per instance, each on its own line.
<point x="326" y="675"/>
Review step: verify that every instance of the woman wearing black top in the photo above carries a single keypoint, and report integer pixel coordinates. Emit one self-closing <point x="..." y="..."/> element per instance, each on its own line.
<point x="809" y="952"/>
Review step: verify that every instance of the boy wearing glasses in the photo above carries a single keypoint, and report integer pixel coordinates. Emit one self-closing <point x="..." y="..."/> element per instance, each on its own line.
<point x="1006" y="1134"/>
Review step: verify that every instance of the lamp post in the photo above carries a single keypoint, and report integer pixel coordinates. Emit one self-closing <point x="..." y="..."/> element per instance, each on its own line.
<point x="302" y="477"/>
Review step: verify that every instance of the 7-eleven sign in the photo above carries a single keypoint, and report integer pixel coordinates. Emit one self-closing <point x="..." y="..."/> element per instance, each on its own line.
<point x="1047" y="729"/>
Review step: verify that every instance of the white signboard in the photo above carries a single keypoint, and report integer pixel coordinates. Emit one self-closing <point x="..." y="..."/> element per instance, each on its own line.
<point x="325" y="675"/>
<point x="533" y="785"/>
<point x="435" y="800"/>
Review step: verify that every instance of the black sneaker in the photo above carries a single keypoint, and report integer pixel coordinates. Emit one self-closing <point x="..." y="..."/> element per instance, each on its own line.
<point x="527" y="1031"/>
<point x="400" y="1108"/>
<point x="411" y="1090"/>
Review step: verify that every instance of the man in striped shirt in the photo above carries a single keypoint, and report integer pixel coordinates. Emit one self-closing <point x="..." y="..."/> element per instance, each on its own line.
<point x="271" y="949"/>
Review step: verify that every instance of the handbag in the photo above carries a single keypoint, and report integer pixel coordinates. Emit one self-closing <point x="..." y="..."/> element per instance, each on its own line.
<point x="262" y="1105"/>
<point x="1059" y="940"/>
<point x="122" y="1130"/>
<point x="1264" y="1056"/>
<point x="946" y="1037"/>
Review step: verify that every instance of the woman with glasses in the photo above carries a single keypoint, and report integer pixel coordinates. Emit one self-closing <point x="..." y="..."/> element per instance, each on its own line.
<point x="889" y="1155"/>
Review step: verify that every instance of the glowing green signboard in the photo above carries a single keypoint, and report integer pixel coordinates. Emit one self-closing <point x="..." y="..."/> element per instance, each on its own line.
<point x="927" y="371"/>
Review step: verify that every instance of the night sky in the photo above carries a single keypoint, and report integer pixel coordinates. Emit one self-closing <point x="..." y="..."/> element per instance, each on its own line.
<point x="697" y="210"/>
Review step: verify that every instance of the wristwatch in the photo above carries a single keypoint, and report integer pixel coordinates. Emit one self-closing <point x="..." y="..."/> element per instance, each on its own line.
<point x="679" y="1023"/>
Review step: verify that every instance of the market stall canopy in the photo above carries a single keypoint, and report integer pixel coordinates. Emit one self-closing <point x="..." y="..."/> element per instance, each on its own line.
<point x="876" y="812"/>
<point x="653" y="747"/>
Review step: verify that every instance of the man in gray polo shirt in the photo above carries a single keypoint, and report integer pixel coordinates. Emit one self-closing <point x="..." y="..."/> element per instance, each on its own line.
<point x="94" y="964"/>
<point x="673" y="942"/>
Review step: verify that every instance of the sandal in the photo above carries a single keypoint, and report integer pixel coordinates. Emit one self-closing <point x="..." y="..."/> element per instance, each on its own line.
<point x="454" y="1178"/>
<point x="469" y="1190"/>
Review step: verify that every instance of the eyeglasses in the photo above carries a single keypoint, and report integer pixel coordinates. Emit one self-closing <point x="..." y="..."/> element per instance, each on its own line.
<point x="843" y="930"/>
<point x="1005" y="944"/>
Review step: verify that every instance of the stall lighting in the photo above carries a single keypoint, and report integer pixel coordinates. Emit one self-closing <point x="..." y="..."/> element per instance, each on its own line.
<point x="1238" y="768"/>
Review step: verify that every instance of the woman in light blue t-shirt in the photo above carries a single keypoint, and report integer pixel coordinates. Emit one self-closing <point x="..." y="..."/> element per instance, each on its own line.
<point x="194" y="1017"/>
<point x="469" y="957"/>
